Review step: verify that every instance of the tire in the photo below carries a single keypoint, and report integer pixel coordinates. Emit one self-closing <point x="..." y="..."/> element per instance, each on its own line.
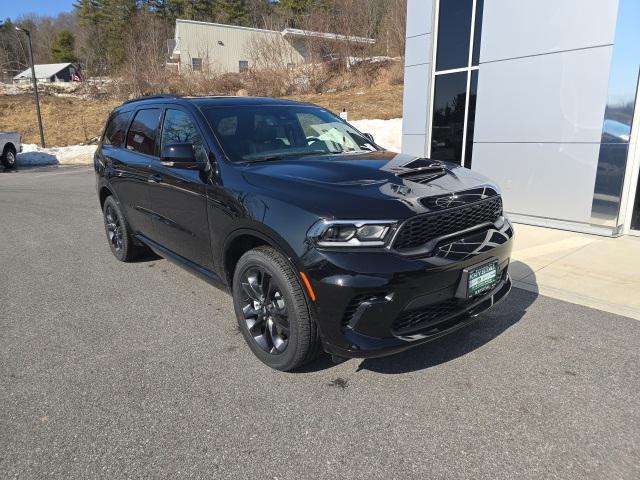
<point x="9" y="158"/>
<point x="265" y="287"/>
<point x="118" y="232"/>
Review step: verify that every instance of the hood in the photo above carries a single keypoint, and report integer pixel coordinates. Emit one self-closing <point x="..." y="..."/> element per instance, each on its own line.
<point x="373" y="185"/>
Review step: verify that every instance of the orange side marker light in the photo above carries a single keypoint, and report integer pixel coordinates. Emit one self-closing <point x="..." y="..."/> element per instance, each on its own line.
<point x="305" y="280"/>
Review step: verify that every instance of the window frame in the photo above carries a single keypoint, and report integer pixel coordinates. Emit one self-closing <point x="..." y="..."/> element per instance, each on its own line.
<point x="242" y="63"/>
<point x="468" y="69"/>
<point x="193" y="69"/>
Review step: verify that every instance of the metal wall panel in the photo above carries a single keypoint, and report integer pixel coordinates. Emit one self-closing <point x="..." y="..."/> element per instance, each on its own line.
<point x="417" y="50"/>
<point x="419" y="17"/>
<point x="550" y="180"/>
<point x="416" y="99"/>
<point x="547" y="98"/>
<point x="221" y="47"/>
<point x="414" y="144"/>
<point x="522" y="28"/>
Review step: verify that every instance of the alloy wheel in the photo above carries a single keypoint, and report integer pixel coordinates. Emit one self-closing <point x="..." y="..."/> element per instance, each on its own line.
<point x="114" y="228"/>
<point x="264" y="310"/>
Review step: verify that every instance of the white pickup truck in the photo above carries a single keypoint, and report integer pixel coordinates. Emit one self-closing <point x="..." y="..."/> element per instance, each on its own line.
<point x="10" y="145"/>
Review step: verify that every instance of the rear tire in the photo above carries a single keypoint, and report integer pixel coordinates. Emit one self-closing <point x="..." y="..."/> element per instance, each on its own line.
<point x="118" y="233"/>
<point x="272" y="310"/>
<point x="9" y="158"/>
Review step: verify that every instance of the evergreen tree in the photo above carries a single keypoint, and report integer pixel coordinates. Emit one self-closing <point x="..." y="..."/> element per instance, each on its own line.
<point x="236" y="12"/>
<point x="63" y="48"/>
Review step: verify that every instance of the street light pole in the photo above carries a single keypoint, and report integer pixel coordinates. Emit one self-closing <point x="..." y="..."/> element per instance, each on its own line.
<point x="35" y="84"/>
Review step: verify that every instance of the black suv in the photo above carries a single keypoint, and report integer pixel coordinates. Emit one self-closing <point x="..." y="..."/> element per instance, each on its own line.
<point x="325" y="240"/>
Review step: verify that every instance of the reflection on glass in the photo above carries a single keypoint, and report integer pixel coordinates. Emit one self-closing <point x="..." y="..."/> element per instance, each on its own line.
<point x="448" y="116"/>
<point x="473" y="92"/>
<point x="477" y="33"/>
<point x="454" y="31"/>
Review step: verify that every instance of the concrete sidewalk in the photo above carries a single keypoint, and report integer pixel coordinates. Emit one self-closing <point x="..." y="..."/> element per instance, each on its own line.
<point x="597" y="272"/>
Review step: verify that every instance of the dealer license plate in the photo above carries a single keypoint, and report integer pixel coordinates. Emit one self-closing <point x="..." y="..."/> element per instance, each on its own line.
<point x="482" y="279"/>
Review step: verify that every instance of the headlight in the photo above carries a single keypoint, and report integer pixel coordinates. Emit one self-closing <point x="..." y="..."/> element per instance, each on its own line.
<point x="351" y="233"/>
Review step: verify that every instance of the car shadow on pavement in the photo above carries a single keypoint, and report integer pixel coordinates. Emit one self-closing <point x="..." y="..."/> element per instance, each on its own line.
<point x="488" y="326"/>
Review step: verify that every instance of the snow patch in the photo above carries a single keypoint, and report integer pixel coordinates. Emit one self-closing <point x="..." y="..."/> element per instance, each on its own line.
<point x="386" y="133"/>
<point x="71" y="155"/>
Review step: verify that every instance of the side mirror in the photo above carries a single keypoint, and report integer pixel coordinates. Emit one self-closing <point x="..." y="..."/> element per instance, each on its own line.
<point x="369" y="137"/>
<point x="179" y="155"/>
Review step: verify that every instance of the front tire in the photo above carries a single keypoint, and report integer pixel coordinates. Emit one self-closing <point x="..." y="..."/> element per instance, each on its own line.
<point x="272" y="310"/>
<point x="118" y="232"/>
<point x="9" y="158"/>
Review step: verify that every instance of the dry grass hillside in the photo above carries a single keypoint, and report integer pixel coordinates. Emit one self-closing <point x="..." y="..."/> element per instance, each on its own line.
<point x="70" y="120"/>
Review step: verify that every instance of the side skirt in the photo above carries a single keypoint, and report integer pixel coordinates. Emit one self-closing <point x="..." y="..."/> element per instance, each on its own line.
<point x="205" y="274"/>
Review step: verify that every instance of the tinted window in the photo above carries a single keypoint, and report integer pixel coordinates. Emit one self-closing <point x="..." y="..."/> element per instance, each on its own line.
<point x="454" y="33"/>
<point x="448" y="116"/>
<point x="243" y="66"/>
<point x="471" y="117"/>
<point x="143" y="131"/>
<point x="477" y="32"/>
<point x="249" y="133"/>
<point x="117" y="129"/>
<point x="178" y="127"/>
<point x="635" y="221"/>
<point x="196" y="64"/>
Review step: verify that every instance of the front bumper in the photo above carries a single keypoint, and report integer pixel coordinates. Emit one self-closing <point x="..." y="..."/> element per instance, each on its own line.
<point x="372" y="304"/>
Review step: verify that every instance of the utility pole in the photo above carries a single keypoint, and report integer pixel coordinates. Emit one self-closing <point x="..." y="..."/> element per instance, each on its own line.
<point x="35" y="84"/>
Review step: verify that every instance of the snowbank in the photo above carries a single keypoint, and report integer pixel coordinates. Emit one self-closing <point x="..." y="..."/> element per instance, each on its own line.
<point x="71" y="155"/>
<point x="386" y="133"/>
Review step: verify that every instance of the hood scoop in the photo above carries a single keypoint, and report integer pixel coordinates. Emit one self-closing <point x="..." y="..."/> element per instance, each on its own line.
<point x="422" y="171"/>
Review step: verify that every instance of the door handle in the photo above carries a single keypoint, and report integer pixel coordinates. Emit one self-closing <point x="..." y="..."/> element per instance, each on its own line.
<point x="155" y="178"/>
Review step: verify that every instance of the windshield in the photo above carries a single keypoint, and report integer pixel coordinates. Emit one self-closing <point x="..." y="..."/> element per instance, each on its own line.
<point x="259" y="133"/>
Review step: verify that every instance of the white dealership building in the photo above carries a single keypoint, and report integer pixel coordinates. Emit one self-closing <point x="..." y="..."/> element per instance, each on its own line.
<point x="539" y="95"/>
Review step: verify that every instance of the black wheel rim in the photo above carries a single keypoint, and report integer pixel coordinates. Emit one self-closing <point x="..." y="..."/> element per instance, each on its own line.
<point x="264" y="310"/>
<point x="114" y="229"/>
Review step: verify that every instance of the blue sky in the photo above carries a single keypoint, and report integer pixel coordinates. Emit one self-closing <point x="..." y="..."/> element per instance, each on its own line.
<point x="14" y="8"/>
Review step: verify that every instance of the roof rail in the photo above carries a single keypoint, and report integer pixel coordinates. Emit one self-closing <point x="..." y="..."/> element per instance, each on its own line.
<point x="151" y="97"/>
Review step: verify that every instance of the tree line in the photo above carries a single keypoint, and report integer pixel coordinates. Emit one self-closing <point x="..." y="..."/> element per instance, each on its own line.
<point x="99" y="34"/>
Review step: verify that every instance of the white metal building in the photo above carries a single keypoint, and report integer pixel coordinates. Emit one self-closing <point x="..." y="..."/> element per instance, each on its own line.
<point x="228" y="48"/>
<point x="539" y="95"/>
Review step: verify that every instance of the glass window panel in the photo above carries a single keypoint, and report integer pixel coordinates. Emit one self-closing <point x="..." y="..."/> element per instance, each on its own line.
<point x="143" y="130"/>
<point x="448" y="116"/>
<point x="635" y="221"/>
<point x="473" y="92"/>
<point x="117" y="129"/>
<point x="454" y="32"/>
<point x="477" y="33"/>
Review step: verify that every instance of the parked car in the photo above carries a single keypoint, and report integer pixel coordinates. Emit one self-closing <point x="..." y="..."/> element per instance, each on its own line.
<point x="10" y="145"/>
<point x="324" y="240"/>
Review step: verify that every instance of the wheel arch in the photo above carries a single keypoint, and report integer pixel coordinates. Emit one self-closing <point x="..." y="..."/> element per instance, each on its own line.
<point x="7" y="146"/>
<point x="103" y="193"/>
<point x="241" y="241"/>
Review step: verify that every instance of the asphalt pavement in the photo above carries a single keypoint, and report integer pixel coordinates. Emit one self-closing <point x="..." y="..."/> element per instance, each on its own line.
<point x="112" y="370"/>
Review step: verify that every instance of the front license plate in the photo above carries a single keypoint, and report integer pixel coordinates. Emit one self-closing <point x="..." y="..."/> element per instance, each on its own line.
<point x="482" y="279"/>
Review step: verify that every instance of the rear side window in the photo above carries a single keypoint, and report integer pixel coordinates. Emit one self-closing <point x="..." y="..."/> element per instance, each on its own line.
<point x="117" y="129"/>
<point x="143" y="131"/>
